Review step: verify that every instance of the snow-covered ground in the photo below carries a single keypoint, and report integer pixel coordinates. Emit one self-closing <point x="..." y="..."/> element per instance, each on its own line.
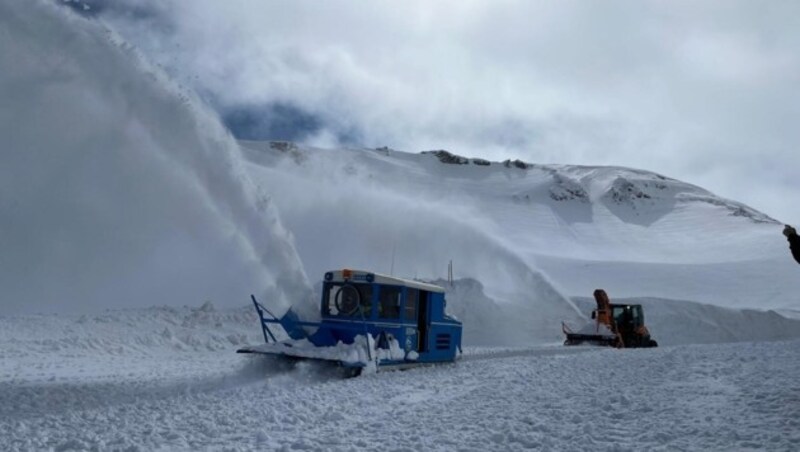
<point x="167" y="379"/>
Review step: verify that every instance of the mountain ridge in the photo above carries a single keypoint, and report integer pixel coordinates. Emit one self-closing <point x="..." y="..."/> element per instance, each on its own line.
<point x="631" y="186"/>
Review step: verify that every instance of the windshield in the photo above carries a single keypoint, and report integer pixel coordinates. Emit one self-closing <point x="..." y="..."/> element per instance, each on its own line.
<point x="344" y="300"/>
<point x="627" y="315"/>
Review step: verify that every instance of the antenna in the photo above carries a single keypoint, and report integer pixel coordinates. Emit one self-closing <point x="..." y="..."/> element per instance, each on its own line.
<point x="450" y="272"/>
<point x="394" y="248"/>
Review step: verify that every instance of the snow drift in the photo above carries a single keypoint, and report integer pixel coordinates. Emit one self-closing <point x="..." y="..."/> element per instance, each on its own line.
<point x="117" y="188"/>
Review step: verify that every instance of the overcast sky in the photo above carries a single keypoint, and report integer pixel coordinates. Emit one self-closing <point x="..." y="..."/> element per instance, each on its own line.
<point x="706" y="92"/>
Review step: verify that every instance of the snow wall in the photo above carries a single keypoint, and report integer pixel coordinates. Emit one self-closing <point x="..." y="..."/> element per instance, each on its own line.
<point x="118" y="189"/>
<point x="125" y="337"/>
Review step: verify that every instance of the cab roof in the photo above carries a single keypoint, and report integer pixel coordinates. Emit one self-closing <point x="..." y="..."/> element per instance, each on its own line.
<point x="361" y="276"/>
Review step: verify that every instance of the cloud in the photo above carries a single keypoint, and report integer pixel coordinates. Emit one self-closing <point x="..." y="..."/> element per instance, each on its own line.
<point x="702" y="92"/>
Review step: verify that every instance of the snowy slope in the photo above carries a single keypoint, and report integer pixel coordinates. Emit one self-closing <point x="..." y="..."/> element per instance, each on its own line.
<point x="632" y="232"/>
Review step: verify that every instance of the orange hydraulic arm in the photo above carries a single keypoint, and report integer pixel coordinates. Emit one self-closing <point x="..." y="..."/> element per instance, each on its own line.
<point x="603" y="314"/>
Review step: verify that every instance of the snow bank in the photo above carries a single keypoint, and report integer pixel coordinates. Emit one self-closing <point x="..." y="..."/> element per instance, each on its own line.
<point x="758" y="284"/>
<point x="195" y="336"/>
<point x="116" y="187"/>
<point x="123" y="344"/>
<point x="174" y="342"/>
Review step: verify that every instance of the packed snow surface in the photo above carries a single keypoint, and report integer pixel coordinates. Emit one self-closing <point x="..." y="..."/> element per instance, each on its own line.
<point x="168" y="379"/>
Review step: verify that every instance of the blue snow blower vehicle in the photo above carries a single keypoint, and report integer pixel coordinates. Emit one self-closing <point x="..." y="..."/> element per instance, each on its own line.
<point x="368" y="321"/>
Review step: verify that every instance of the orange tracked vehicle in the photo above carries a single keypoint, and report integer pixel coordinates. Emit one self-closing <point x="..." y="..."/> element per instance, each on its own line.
<point x="615" y="325"/>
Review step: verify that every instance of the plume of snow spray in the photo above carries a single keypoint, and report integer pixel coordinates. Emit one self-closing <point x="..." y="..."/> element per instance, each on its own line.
<point x="117" y="188"/>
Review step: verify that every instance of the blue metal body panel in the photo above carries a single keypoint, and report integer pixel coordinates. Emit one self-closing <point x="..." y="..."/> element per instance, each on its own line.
<point x="387" y="309"/>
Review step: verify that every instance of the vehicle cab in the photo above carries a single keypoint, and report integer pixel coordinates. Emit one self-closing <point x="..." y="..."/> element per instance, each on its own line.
<point x="410" y="312"/>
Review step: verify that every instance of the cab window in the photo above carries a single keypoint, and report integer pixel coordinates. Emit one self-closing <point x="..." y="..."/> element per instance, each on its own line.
<point x="389" y="302"/>
<point x="410" y="308"/>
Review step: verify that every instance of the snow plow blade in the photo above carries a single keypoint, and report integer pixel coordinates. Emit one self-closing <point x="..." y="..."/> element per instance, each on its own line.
<point x="289" y="351"/>
<point x="590" y="339"/>
<point x="282" y="351"/>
